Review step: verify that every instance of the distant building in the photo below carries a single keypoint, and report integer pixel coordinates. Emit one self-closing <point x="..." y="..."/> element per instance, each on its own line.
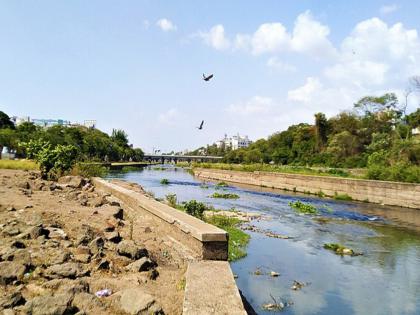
<point x="234" y="142"/>
<point x="45" y="123"/>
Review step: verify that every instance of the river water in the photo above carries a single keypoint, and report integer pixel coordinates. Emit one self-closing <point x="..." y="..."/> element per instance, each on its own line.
<point x="384" y="280"/>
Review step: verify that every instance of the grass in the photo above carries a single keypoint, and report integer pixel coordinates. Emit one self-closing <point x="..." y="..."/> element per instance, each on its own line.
<point x="89" y="170"/>
<point x="343" y="197"/>
<point x="224" y="196"/>
<point x="238" y="240"/>
<point x="164" y="181"/>
<point x="303" y="208"/>
<point x="18" y="165"/>
<point x="293" y="169"/>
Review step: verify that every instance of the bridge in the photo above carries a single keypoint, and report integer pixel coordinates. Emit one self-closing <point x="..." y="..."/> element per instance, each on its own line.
<point x="177" y="158"/>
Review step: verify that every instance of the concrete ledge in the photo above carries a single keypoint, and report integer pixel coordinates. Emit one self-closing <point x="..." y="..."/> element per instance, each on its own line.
<point x="211" y="289"/>
<point x="206" y="240"/>
<point x="382" y="192"/>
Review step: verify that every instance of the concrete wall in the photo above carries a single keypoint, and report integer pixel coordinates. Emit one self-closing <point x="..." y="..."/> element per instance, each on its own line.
<point x="205" y="240"/>
<point x="382" y="192"/>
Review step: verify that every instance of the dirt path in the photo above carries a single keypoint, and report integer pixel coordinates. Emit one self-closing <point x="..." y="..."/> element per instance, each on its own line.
<point x="62" y="243"/>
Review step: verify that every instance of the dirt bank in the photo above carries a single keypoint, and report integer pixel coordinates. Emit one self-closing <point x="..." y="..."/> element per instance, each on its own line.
<point x="62" y="243"/>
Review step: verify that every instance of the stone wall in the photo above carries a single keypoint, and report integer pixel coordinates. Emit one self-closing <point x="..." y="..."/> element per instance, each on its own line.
<point x="381" y="192"/>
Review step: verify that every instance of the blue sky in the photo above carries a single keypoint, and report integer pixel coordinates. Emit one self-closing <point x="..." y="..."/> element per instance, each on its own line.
<point x="137" y="65"/>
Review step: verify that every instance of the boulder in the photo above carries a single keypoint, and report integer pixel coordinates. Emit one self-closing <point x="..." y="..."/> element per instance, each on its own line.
<point x="97" y="245"/>
<point x="72" y="181"/>
<point x="12" y="300"/>
<point x="56" y="233"/>
<point x="143" y="264"/>
<point x="67" y="270"/>
<point x="58" y="304"/>
<point x="38" y="231"/>
<point x="62" y="257"/>
<point x="135" y="301"/>
<point x="88" y="303"/>
<point x="113" y="237"/>
<point x="20" y="256"/>
<point x="118" y="214"/>
<point x="86" y="235"/>
<point x="11" y="271"/>
<point x="131" y="250"/>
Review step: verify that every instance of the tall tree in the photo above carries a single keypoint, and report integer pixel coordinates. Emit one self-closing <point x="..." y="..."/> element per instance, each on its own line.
<point x="5" y="121"/>
<point x="321" y="131"/>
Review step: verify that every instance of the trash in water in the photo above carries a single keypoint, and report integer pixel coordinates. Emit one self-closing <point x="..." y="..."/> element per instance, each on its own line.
<point x="103" y="293"/>
<point x="274" y="274"/>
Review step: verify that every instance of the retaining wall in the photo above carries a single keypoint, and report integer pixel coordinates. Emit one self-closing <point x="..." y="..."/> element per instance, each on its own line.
<point x="381" y="192"/>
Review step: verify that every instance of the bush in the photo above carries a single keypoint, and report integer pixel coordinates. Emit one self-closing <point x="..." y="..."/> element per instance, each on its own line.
<point x="195" y="208"/>
<point x="343" y="197"/>
<point x="224" y="196"/>
<point x="164" y="181"/>
<point x="89" y="170"/>
<point x="172" y="200"/>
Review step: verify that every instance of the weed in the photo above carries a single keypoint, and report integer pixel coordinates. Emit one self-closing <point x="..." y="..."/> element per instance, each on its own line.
<point x="224" y="196"/>
<point x="343" y="197"/>
<point x="164" y="181"/>
<point x="303" y="208"/>
<point x="172" y="200"/>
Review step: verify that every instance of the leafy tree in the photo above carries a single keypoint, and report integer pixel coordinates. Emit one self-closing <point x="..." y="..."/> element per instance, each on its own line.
<point x="5" y="121"/>
<point x="321" y="130"/>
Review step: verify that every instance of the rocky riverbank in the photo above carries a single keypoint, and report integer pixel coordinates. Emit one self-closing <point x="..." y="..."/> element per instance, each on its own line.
<point x="68" y="248"/>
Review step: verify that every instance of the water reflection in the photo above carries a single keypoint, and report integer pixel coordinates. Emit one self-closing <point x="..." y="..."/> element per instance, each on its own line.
<point x="385" y="280"/>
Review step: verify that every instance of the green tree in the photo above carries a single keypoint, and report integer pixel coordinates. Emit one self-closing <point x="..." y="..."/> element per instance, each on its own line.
<point x="321" y="131"/>
<point x="5" y="121"/>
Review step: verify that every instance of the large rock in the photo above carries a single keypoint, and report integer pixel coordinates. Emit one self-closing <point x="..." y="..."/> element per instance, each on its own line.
<point x="143" y="264"/>
<point x="131" y="250"/>
<point x="58" y="304"/>
<point x="38" y="231"/>
<point x="68" y="270"/>
<point x="87" y="303"/>
<point x="72" y="181"/>
<point x="12" y="300"/>
<point x="135" y="301"/>
<point x="97" y="245"/>
<point x="21" y="256"/>
<point x="11" y="271"/>
<point x="86" y="235"/>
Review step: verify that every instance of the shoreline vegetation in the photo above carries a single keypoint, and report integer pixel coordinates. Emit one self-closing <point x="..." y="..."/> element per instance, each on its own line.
<point x="238" y="239"/>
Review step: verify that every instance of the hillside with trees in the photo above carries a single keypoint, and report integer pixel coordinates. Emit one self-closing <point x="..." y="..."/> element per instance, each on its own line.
<point x="376" y="134"/>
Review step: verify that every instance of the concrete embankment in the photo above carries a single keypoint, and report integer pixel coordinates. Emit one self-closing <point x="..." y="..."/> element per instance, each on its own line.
<point x="205" y="246"/>
<point x="381" y="192"/>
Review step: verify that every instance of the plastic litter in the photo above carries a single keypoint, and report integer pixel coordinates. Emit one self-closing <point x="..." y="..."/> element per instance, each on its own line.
<point x="103" y="293"/>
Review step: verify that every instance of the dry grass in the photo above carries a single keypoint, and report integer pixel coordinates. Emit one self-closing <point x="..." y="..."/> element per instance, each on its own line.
<point x="18" y="165"/>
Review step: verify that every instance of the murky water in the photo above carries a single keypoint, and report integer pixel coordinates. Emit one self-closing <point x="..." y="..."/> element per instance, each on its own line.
<point x="385" y="280"/>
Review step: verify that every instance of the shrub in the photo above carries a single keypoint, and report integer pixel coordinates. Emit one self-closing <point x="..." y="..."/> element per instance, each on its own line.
<point x="303" y="208"/>
<point x="89" y="170"/>
<point x="172" y="200"/>
<point x="343" y="197"/>
<point x="195" y="208"/>
<point x="224" y="196"/>
<point x="164" y="181"/>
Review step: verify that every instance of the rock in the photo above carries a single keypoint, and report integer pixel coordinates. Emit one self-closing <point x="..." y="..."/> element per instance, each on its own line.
<point x="10" y="209"/>
<point x="103" y="265"/>
<point x="131" y="250"/>
<point x="147" y="229"/>
<point x="38" y="231"/>
<point x="11" y="271"/>
<point x="67" y="285"/>
<point x="12" y="300"/>
<point x="57" y="233"/>
<point x="86" y="187"/>
<point x="143" y="264"/>
<point x="21" y="256"/>
<point x="8" y="311"/>
<point x="59" y="304"/>
<point x="87" y="303"/>
<point x="86" y="235"/>
<point x="61" y="258"/>
<point x="24" y="185"/>
<point x="97" y="245"/>
<point x="10" y="231"/>
<point x="113" y="237"/>
<point x="135" y="301"/>
<point x="54" y="186"/>
<point x="83" y="258"/>
<point x="118" y="214"/>
<point x="274" y="274"/>
<point x="18" y="244"/>
<point x="67" y="270"/>
<point x="26" y="192"/>
<point x="98" y="202"/>
<point x="72" y="181"/>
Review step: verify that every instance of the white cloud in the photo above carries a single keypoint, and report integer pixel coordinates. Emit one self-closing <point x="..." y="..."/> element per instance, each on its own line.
<point x="277" y="64"/>
<point x="389" y="8"/>
<point x="256" y="105"/>
<point x="168" y="117"/>
<point x="216" y="37"/>
<point x="305" y="92"/>
<point x="311" y="37"/>
<point x="270" y="37"/>
<point x="166" y="25"/>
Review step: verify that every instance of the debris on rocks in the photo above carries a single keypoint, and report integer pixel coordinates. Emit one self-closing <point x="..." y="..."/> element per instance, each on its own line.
<point x="298" y="285"/>
<point x="276" y="306"/>
<point x="103" y="293"/>
<point x="253" y="228"/>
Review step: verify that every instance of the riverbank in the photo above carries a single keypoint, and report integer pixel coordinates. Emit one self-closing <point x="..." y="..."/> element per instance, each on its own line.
<point x="64" y="244"/>
<point x="380" y="192"/>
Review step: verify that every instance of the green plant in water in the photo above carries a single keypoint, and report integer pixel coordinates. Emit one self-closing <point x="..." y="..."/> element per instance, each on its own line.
<point x="303" y="208"/>
<point x="340" y="249"/>
<point x="172" y="200"/>
<point x="238" y="239"/>
<point x="224" y="196"/>
<point x="343" y="197"/>
<point x="164" y="181"/>
<point x="222" y="184"/>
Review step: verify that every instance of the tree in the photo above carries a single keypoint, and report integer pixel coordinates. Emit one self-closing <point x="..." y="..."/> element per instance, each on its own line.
<point x="369" y="105"/>
<point x="321" y="131"/>
<point x="5" y="121"/>
<point x="119" y="137"/>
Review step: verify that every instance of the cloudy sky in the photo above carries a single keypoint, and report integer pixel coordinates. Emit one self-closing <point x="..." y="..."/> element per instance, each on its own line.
<point x="137" y="65"/>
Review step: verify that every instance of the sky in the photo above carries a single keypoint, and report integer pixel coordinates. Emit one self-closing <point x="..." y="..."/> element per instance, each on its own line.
<point x="138" y="65"/>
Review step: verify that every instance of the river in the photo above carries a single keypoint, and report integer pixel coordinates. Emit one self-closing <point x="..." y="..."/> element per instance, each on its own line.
<point x="384" y="280"/>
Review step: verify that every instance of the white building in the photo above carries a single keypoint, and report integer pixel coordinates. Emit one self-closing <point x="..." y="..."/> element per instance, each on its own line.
<point x="234" y="142"/>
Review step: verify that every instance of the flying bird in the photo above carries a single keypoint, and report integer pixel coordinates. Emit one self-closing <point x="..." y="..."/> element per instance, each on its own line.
<point x="207" y="78"/>
<point x="201" y="125"/>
